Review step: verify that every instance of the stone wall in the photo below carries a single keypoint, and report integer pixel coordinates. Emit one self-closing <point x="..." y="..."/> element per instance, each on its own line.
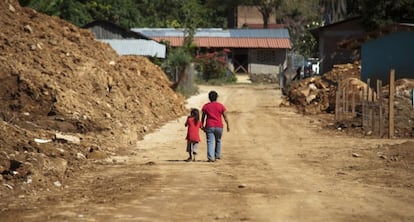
<point x="264" y="78"/>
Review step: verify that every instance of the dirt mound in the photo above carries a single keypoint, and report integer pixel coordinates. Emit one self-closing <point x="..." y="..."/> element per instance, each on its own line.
<point x="66" y="98"/>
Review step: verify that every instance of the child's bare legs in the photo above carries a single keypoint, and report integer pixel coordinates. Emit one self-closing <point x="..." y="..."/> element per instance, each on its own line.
<point x="194" y="149"/>
<point x="189" y="150"/>
<point x="189" y="157"/>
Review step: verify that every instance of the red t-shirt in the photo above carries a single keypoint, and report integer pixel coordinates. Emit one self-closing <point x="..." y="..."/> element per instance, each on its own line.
<point x="193" y="134"/>
<point x="214" y="111"/>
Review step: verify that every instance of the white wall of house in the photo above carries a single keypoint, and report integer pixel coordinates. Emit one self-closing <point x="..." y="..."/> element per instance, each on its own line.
<point x="266" y="61"/>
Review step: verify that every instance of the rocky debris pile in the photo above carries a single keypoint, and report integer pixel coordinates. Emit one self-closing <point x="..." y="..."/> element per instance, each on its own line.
<point x="317" y="94"/>
<point x="67" y="98"/>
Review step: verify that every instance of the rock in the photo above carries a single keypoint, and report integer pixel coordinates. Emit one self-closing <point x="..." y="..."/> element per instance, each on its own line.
<point x="57" y="184"/>
<point x="355" y="154"/>
<point x="42" y="140"/>
<point x="8" y="186"/>
<point x="242" y="185"/>
<point x="80" y="156"/>
<point x="67" y="138"/>
<point x="29" y="180"/>
<point x="96" y="154"/>
<point x="11" y="8"/>
<point x="28" y="29"/>
<point x="56" y="165"/>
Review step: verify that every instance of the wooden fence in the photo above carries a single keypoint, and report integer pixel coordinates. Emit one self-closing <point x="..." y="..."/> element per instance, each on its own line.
<point x="368" y="104"/>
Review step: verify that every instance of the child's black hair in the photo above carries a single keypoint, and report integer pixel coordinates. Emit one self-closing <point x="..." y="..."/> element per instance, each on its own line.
<point x="212" y="96"/>
<point x="195" y="114"/>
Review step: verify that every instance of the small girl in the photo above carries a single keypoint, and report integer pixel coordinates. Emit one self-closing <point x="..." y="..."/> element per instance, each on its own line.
<point x="193" y="125"/>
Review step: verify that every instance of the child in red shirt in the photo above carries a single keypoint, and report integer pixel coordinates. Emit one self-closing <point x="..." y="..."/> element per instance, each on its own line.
<point x="193" y="125"/>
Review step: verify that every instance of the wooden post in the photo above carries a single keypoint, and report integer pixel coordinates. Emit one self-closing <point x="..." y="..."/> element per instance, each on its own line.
<point x="391" y="105"/>
<point x="381" y="117"/>
<point x="368" y="107"/>
<point x="346" y="96"/>
<point x="344" y="99"/>
<point x="364" y="113"/>
<point x="354" y="90"/>
<point x="372" y="110"/>
<point x="337" y="102"/>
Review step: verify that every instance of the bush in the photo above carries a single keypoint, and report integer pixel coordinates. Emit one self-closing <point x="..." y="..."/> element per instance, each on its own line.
<point x="212" y="66"/>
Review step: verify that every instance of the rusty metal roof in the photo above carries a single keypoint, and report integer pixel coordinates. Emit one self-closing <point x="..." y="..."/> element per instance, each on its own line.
<point x="219" y="38"/>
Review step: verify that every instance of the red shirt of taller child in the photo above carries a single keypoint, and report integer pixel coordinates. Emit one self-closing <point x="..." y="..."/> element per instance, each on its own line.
<point x="214" y="111"/>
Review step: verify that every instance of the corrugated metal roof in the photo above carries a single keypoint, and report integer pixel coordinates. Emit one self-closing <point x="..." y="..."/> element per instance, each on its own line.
<point x="236" y="33"/>
<point x="259" y="33"/>
<point x="137" y="47"/>
<point x="231" y="38"/>
<point x="217" y="42"/>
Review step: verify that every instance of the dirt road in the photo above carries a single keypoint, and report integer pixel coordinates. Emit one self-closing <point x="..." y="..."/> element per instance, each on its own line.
<point x="277" y="165"/>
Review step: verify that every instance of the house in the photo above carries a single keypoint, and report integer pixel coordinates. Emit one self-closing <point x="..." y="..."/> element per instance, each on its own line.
<point x="391" y="47"/>
<point x="254" y="51"/>
<point x="124" y="41"/>
<point x="330" y="36"/>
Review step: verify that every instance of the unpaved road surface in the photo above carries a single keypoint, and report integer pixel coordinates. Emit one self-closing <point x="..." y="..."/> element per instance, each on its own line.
<point x="277" y="165"/>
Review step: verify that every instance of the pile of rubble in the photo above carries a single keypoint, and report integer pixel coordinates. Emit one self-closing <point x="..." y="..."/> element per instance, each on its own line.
<point x="317" y="94"/>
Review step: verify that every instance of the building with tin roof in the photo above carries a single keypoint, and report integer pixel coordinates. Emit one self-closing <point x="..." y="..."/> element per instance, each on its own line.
<point x="255" y="51"/>
<point x="124" y="41"/>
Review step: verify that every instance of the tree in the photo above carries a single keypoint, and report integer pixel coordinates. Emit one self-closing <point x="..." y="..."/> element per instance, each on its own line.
<point x="265" y="7"/>
<point x="51" y="7"/>
<point x="123" y="13"/>
<point x="81" y="12"/>
<point x="299" y="16"/>
<point x="333" y="10"/>
<point x="380" y="13"/>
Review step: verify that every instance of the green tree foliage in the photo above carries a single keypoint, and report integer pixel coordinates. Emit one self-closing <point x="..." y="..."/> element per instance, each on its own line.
<point x="333" y="10"/>
<point x="74" y="11"/>
<point x="178" y="59"/>
<point x="182" y="13"/>
<point x="300" y="16"/>
<point x="123" y="13"/>
<point x="267" y="8"/>
<point x="81" y="12"/>
<point x="50" y="7"/>
<point x="384" y="12"/>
